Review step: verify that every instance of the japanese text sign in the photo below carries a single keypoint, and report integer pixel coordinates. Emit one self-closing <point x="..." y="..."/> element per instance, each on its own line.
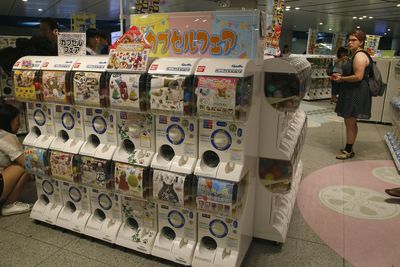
<point x="71" y="44"/>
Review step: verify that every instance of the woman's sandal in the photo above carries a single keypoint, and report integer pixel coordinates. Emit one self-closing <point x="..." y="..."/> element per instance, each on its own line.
<point x="345" y="155"/>
<point x="394" y="192"/>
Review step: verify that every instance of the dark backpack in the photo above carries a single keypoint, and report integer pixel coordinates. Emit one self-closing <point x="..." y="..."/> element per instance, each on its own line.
<point x="376" y="85"/>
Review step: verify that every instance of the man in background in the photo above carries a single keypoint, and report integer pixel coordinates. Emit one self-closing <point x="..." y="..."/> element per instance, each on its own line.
<point x="92" y="41"/>
<point x="46" y="42"/>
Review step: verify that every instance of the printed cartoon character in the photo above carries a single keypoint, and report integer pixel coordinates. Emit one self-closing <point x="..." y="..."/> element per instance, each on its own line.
<point x="167" y="193"/>
<point x="221" y="88"/>
<point x="122" y="184"/>
<point x="123" y="89"/>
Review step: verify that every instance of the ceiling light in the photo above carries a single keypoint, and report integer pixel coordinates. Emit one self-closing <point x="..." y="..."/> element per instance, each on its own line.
<point x="321" y="23"/>
<point x="371" y="17"/>
<point x="354" y="17"/>
<point x="360" y="18"/>
<point x="297" y="8"/>
<point x="398" y="5"/>
<point x="364" y="17"/>
<point x="288" y="7"/>
<point x="385" y="33"/>
<point x="330" y="29"/>
<point x="388" y="30"/>
<point x="24" y="0"/>
<point x="358" y="27"/>
<point x="40" y="10"/>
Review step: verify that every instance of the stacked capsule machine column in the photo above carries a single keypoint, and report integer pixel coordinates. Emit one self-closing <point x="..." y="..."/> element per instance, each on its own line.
<point x="63" y="154"/>
<point x="228" y="107"/>
<point x="282" y="132"/>
<point x="26" y="76"/>
<point x="173" y="103"/>
<point x="136" y="145"/>
<point x="90" y="90"/>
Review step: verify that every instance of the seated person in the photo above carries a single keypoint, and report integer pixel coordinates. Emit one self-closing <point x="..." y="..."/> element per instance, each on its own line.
<point x="13" y="176"/>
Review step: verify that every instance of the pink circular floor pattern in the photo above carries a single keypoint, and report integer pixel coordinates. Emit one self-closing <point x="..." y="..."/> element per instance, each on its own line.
<point x="345" y="205"/>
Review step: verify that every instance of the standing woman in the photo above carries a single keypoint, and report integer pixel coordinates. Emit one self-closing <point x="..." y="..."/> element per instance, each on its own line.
<point x="354" y="97"/>
<point x="12" y="173"/>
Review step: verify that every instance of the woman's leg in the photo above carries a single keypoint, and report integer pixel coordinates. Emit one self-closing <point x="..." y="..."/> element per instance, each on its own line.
<point x="14" y="177"/>
<point x="351" y="130"/>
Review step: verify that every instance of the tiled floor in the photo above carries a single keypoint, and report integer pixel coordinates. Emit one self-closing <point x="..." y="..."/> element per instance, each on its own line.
<point x="24" y="243"/>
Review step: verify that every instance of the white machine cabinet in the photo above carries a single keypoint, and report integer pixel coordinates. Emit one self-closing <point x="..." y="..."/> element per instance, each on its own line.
<point x="283" y="128"/>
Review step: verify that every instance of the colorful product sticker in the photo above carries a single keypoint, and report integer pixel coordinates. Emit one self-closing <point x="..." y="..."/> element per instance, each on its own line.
<point x="124" y="90"/>
<point x="167" y="93"/>
<point x="169" y="187"/>
<point x="96" y="173"/>
<point x="54" y="87"/>
<point x="35" y="160"/>
<point x="130" y="180"/>
<point x="87" y="88"/>
<point x="24" y="82"/>
<point x="128" y="60"/>
<point x="62" y="166"/>
<point x="216" y="95"/>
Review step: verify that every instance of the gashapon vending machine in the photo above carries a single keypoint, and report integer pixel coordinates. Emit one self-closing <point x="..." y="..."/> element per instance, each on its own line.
<point x="128" y="95"/>
<point x="228" y="106"/>
<point x="282" y="132"/>
<point x="172" y="100"/>
<point x="90" y="90"/>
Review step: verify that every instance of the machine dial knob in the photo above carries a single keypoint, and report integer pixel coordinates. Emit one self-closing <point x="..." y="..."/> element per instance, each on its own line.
<point x="39" y="117"/>
<point x="67" y="121"/>
<point x="175" y="134"/>
<point x="221" y="139"/>
<point x="99" y="125"/>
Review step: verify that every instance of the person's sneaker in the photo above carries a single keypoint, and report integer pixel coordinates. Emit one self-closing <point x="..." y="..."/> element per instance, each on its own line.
<point x="15" y="208"/>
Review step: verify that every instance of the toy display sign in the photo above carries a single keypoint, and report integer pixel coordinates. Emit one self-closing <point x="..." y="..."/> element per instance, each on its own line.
<point x="83" y="21"/>
<point x="217" y="196"/>
<point x="171" y="187"/>
<point x="55" y="88"/>
<point x="71" y="44"/>
<point x="96" y="173"/>
<point x="166" y="93"/>
<point x="87" y="87"/>
<point x="372" y="44"/>
<point x="274" y="19"/>
<point x="124" y="90"/>
<point x="311" y="41"/>
<point x="131" y="180"/>
<point x="216" y="95"/>
<point x="233" y="34"/>
<point x="64" y="166"/>
<point x="35" y="160"/>
<point x="24" y="84"/>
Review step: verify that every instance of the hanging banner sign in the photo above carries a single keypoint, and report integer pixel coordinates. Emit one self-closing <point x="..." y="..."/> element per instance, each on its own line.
<point x="83" y="21"/>
<point x="311" y="41"/>
<point x="274" y="19"/>
<point x="72" y="44"/>
<point x="233" y="34"/>
<point x="146" y="6"/>
<point x="339" y="40"/>
<point x="372" y="44"/>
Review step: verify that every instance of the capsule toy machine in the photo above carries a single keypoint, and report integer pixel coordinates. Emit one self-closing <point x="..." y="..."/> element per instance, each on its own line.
<point x="65" y="167"/>
<point x="26" y="76"/>
<point x="282" y="133"/>
<point x="49" y="202"/>
<point x="228" y="106"/>
<point x="6" y="83"/>
<point x="132" y="181"/>
<point x="172" y="102"/>
<point x="40" y="117"/>
<point x="172" y="99"/>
